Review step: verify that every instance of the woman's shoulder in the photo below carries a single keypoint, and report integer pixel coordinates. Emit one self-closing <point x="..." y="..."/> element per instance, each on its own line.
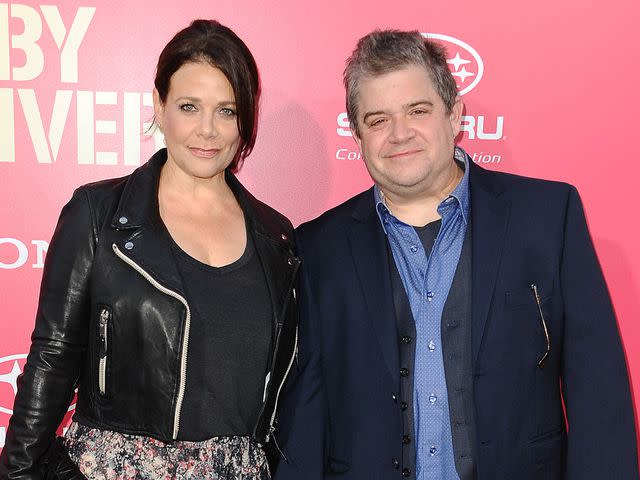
<point x="265" y="215"/>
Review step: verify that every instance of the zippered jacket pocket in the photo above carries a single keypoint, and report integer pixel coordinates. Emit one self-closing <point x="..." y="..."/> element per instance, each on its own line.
<point x="104" y="324"/>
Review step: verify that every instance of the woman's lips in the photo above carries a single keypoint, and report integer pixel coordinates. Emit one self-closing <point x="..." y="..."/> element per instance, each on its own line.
<point x="203" y="152"/>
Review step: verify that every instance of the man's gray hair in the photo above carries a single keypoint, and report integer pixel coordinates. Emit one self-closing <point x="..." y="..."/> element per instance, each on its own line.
<point x="385" y="51"/>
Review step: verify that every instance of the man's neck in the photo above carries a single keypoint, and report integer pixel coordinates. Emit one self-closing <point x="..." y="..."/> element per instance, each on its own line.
<point x="421" y="208"/>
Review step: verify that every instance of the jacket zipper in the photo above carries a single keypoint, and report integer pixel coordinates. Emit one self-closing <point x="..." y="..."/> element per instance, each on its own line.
<point x="185" y="340"/>
<point x="104" y="352"/>
<point x="291" y="360"/>
<point x="272" y="427"/>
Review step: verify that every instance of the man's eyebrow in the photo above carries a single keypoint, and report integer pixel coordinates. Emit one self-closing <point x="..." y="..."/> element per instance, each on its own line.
<point x="370" y="114"/>
<point x="427" y="103"/>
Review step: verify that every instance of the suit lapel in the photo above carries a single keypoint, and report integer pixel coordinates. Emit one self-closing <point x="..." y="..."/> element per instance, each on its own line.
<point x="489" y="220"/>
<point x="369" y="253"/>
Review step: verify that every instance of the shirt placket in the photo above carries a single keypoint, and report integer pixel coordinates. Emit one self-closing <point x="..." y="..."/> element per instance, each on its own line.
<point x="428" y="403"/>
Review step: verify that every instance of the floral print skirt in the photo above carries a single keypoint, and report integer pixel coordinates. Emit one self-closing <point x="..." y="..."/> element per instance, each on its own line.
<point x="103" y="454"/>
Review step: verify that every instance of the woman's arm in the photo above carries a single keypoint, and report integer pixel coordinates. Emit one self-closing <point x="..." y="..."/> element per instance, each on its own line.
<point x="58" y="342"/>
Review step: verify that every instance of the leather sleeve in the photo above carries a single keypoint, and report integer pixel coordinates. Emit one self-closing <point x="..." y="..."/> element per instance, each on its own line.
<point x="303" y="417"/>
<point x="602" y="437"/>
<point x="58" y="342"/>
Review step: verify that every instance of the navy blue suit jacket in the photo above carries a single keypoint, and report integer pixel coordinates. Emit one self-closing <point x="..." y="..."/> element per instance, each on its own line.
<point x="339" y="417"/>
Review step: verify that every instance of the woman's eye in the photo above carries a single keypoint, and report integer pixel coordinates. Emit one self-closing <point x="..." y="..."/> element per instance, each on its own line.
<point x="188" y="107"/>
<point x="228" y="112"/>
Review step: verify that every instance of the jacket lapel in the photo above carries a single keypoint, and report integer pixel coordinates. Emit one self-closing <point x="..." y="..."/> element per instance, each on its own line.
<point x="369" y="252"/>
<point x="489" y="220"/>
<point x="145" y="241"/>
<point x="274" y="244"/>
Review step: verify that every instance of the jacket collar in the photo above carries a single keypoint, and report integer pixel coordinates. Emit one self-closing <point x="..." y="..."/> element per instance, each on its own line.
<point x="138" y="204"/>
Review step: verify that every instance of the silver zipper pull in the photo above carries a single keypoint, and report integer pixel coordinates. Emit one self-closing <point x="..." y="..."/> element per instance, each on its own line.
<point x="104" y="321"/>
<point x="275" y="443"/>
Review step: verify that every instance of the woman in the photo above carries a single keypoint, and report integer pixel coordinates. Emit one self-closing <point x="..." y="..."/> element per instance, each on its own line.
<point x="167" y="297"/>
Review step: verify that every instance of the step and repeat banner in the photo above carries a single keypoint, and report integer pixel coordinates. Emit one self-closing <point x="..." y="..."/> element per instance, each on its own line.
<point x="549" y="91"/>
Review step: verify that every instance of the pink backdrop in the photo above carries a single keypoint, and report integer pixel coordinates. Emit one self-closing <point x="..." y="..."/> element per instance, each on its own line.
<point x="556" y="99"/>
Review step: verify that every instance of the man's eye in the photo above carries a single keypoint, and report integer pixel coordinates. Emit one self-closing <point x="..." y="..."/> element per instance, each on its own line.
<point x="376" y="122"/>
<point x="188" y="107"/>
<point x="418" y="111"/>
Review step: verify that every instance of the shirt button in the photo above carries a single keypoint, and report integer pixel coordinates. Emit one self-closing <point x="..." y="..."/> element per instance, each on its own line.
<point x="404" y="372"/>
<point x="123" y="220"/>
<point x="406" y="439"/>
<point x="429" y="295"/>
<point x="406" y="472"/>
<point x="394" y="397"/>
<point x="128" y="245"/>
<point x="432" y="346"/>
<point x="406" y="340"/>
<point x="432" y="399"/>
<point x="433" y="450"/>
<point x="395" y="463"/>
<point x="403" y="406"/>
<point x="413" y="248"/>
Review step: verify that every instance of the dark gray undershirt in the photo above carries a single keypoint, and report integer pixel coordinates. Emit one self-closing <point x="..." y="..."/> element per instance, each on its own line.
<point x="229" y="345"/>
<point x="428" y="235"/>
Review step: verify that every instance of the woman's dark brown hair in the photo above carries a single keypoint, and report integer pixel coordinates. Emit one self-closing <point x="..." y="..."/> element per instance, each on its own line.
<point x="211" y="42"/>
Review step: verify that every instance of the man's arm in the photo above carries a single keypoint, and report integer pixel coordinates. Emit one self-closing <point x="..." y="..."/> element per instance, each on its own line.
<point x="602" y="437"/>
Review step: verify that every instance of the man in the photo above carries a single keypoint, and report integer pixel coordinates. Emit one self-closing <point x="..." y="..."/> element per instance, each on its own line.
<point x="449" y="311"/>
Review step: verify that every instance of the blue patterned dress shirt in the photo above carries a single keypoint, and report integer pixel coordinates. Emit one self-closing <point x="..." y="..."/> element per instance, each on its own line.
<point x="427" y="278"/>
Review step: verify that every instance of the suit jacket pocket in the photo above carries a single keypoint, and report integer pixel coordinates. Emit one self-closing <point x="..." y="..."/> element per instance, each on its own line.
<point x="548" y="454"/>
<point x="523" y="297"/>
<point x="336" y="465"/>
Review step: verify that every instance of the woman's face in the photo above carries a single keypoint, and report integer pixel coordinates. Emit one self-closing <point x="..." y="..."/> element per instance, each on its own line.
<point x="199" y="120"/>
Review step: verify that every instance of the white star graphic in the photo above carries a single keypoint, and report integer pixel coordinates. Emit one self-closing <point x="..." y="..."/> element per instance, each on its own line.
<point x="463" y="74"/>
<point x="457" y="61"/>
<point x="11" y="377"/>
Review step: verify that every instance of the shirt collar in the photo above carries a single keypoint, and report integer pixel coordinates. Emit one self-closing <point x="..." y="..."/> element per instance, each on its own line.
<point x="460" y="193"/>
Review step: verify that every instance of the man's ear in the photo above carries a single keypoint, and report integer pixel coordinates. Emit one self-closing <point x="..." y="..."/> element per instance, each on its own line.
<point x="455" y="117"/>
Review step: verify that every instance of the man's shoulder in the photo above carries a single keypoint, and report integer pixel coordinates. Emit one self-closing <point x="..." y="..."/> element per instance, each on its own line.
<point x="338" y="217"/>
<point x="520" y="186"/>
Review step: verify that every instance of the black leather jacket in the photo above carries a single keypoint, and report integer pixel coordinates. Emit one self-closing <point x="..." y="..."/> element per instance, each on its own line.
<point x="113" y="319"/>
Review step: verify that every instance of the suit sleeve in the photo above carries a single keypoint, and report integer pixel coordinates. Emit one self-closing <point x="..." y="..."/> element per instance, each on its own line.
<point x="303" y="416"/>
<point x="602" y="437"/>
<point x="46" y="386"/>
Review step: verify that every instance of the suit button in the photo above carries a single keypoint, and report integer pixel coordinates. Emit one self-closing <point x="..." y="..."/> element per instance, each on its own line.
<point x="394" y="397"/>
<point x="406" y="472"/>
<point x="404" y="372"/>
<point x="403" y="406"/>
<point x="395" y="463"/>
<point x="406" y="439"/>
<point x="406" y="340"/>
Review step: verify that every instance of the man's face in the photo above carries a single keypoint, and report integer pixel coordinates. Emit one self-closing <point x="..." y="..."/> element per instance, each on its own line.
<point x="406" y="134"/>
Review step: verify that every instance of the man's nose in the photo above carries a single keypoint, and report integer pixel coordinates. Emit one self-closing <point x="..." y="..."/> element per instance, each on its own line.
<point x="401" y="129"/>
